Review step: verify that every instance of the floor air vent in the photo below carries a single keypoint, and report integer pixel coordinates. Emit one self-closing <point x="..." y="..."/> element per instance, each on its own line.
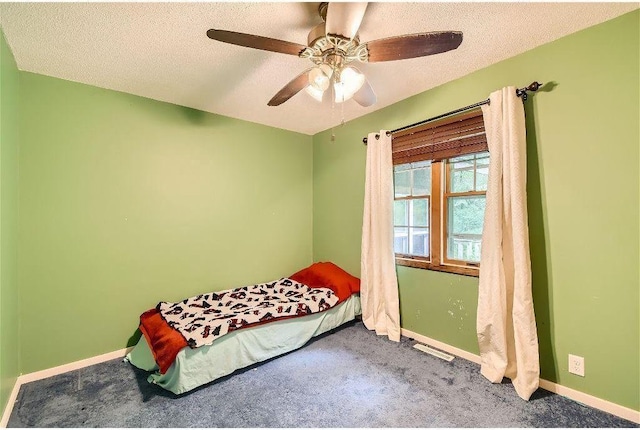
<point x="434" y="352"/>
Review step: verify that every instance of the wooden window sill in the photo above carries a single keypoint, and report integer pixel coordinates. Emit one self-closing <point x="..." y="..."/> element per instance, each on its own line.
<point x="424" y="264"/>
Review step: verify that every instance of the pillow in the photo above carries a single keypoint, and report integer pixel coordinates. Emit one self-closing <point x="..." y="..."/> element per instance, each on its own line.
<point x="328" y="275"/>
<point x="164" y="341"/>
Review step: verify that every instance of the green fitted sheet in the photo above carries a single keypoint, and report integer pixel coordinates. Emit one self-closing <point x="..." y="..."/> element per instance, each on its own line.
<point x="241" y="348"/>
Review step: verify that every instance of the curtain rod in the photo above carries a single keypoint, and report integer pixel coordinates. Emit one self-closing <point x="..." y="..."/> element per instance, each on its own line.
<point x="520" y="92"/>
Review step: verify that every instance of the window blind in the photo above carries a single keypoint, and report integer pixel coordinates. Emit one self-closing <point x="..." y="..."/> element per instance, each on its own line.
<point x="449" y="137"/>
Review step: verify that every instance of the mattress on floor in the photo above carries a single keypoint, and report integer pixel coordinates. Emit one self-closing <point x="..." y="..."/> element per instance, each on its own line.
<point x="241" y="348"/>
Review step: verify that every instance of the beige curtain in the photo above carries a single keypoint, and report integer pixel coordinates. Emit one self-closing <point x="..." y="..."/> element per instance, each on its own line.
<point x="506" y="322"/>
<point x="379" y="284"/>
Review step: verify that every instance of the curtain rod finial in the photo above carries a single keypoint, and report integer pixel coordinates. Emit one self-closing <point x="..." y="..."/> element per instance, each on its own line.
<point x="535" y="86"/>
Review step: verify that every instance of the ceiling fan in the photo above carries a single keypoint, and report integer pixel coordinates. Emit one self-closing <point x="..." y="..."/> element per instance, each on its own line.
<point x="334" y="45"/>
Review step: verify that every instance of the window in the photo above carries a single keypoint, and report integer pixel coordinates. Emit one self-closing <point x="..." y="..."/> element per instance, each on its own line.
<point x="464" y="201"/>
<point x="440" y="182"/>
<point x="411" y="208"/>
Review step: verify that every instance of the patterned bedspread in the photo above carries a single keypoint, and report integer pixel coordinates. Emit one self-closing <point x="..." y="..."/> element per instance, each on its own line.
<point x="204" y="318"/>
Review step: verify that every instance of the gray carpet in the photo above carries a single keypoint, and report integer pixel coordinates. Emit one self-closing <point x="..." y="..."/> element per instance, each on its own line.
<point x="346" y="378"/>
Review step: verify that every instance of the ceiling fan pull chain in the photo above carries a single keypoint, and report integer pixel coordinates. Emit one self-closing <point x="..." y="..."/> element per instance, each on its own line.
<point x="333" y="134"/>
<point x="333" y="103"/>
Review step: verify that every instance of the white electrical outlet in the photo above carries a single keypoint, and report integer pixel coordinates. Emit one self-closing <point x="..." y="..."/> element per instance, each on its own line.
<point x="576" y="365"/>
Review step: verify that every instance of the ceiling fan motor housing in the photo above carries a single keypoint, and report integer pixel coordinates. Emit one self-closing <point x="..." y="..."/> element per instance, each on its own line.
<point x="333" y="46"/>
<point x="332" y="49"/>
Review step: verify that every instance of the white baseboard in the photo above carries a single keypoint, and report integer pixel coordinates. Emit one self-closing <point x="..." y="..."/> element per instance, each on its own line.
<point x="578" y="396"/>
<point x="9" y="407"/>
<point x="589" y="400"/>
<point x="46" y="373"/>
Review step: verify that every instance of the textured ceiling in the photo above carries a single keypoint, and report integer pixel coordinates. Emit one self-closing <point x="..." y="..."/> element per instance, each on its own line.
<point x="161" y="51"/>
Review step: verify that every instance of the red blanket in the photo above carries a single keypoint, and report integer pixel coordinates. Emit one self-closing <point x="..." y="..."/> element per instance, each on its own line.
<point x="165" y="342"/>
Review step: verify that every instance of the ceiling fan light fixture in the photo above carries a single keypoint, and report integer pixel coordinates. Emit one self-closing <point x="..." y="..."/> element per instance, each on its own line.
<point x="315" y="92"/>
<point x="350" y="82"/>
<point x="319" y="78"/>
<point x="319" y="81"/>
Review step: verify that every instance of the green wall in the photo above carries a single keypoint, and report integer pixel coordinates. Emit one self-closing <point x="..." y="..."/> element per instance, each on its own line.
<point x="9" y="331"/>
<point x="127" y="201"/>
<point x="583" y="201"/>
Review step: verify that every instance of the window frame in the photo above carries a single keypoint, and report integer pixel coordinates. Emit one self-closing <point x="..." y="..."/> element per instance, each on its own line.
<point x="437" y="247"/>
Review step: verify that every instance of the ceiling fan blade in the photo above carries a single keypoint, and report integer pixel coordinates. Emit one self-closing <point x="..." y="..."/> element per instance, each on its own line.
<point x="344" y="19"/>
<point x="298" y="83"/>
<point x="413" y="45"/>
<point x="257" y="42"/>
<point x="365" y="95"/>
